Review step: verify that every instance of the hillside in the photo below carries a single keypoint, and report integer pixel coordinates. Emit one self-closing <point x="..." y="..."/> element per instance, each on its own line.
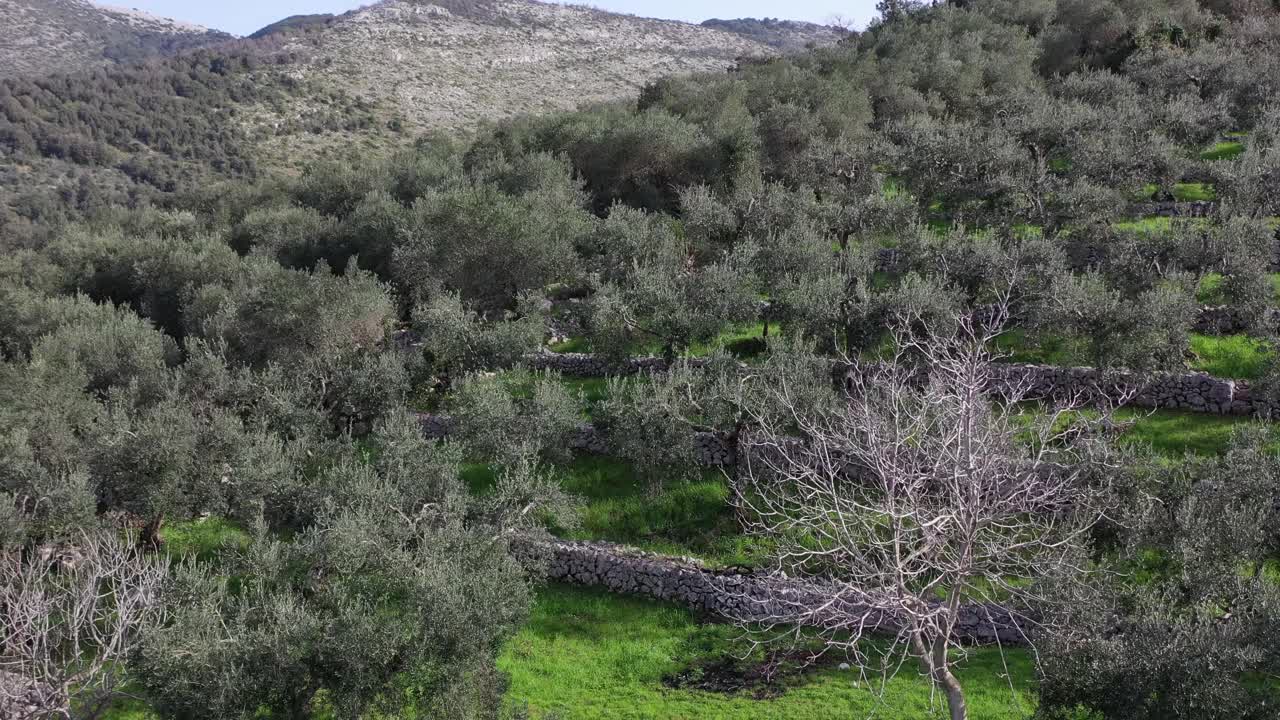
<point x="789" y="36"/>
<point x="934" y="374"/>
<point x="456" y="63"/>
<point x="293" y="23"/>
<point x="309" y="87"/>
<point x="43" y="36"/>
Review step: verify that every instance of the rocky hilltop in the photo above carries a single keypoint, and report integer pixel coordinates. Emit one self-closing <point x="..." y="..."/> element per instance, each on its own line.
<point x="38" y="37"/>
<point x="452" y="63"/>
<point x="786" y="35"/>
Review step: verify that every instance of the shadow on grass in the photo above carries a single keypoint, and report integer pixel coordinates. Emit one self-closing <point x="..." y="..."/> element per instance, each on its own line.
<point x="588" y="654"/>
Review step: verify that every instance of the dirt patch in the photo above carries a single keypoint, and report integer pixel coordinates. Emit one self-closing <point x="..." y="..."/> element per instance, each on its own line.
<point x="761" y="679"/>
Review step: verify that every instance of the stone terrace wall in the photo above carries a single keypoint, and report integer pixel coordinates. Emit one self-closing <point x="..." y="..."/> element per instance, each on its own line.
<point x="1197" y="209"/>
<point x="1218" y="320"/>
<point x="753" y="597"/>
<point x="1194" y="392"/>
<point x="1228" y="320"/>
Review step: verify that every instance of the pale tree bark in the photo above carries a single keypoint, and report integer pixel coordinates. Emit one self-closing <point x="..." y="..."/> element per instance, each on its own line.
<point x="69" y="617"/>
<point x="928" y="491"/>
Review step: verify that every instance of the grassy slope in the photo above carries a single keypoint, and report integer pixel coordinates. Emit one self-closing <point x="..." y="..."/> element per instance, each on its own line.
<point x="1225" y="150"/>
<point x="586" y="654"/>
<point x="744" y="340"/>
<point x="1230" y="356"/>
<point x="687" y="516"/>
<point x="1176" y="433"/>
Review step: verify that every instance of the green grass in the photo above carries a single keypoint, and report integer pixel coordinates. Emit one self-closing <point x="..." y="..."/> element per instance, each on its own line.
<point x="586" y="654"/>
<point x="592" y="390"/>
<point x="1151" y="225"/>
<point x="1021" y="347"/>
<point x="1225" y="150"/>
<point x="1230" y="356"/>
<point x="129" y="709"/>
<point x="689" y="516"/>
<point x="203" y="539"/>
<point x="1157" y="225"/>
<point x="1175" y="434"/>
<point x="693" y="516"/>
<point x="1170" y="433"/>
<point x="1192" y="192"/>
<point x="1209" y="291"/>
<point x="1183" y="192"/>
<point x="744" y="340"/>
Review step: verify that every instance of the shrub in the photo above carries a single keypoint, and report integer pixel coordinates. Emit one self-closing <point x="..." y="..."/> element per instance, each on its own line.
<point x="505" y="417"/>
<point x="456" y="340"/>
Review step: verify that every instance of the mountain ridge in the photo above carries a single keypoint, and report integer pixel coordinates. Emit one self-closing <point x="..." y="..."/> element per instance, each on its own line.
<point x="368" y="82"/>
<point x="39" y="37"/>
<point x="456" y="64"/>
<point x="789" y="36"/>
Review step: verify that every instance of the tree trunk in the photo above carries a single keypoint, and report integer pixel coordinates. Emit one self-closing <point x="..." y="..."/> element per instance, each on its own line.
<point x="947" y="682"/>
<point x="669" y="353"/>
<point x="955" y="694"/>
<point x="151" y="539"/>
<point x="932" y="656"/>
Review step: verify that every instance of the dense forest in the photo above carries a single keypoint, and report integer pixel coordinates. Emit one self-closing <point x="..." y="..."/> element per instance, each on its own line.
<point x="217" y="498"/>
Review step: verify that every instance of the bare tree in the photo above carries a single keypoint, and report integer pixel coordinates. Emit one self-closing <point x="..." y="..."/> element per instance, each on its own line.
<point x="926" y="494"/>
<point x="68" y="619"/>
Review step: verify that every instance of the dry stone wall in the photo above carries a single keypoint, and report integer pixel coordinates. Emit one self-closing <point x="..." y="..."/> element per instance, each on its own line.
<point x="1196" y="209"/>
<point x="1193" y="392"/>
<point x="1228" y="320"/>
<point x="750" y="597"/>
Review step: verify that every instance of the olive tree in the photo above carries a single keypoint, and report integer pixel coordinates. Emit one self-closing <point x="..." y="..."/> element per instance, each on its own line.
<point x="271" y="314"/>
<point x="1243" y="182"/>
<point x="1185" y="615"/>
<point x="1145" y="331"/>
<point x="456" y="340"/>
<point x="393" y="598"/>
<point x="641" y="424"/>
<point x="502" y="418"/>
<point x="294" y="236"/>
<point x="44" y="417"/>
<point x="665" y="297"/>
<point x="489" y="246"/>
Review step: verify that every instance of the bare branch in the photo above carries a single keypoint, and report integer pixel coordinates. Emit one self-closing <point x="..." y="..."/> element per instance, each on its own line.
<point x="929" y="490"/>
<point x="68" y="618"/>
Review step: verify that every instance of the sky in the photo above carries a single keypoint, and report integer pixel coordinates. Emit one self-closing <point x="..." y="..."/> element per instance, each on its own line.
<point x="241" y="17"/>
